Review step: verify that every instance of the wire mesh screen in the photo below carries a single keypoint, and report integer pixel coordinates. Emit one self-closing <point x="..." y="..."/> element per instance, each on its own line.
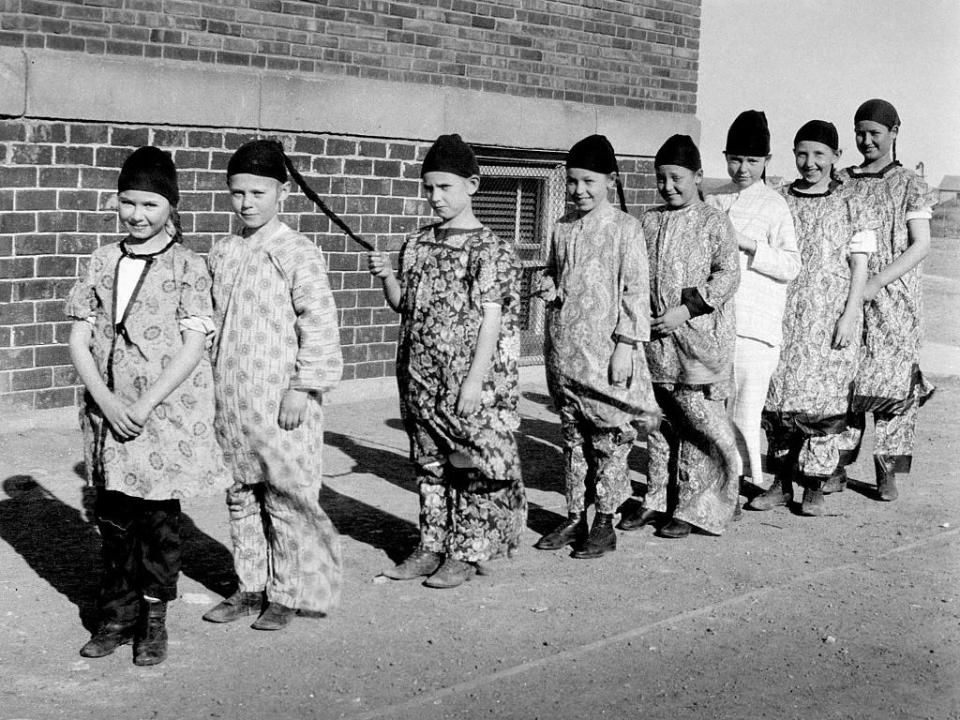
<point x="520" y="204"/>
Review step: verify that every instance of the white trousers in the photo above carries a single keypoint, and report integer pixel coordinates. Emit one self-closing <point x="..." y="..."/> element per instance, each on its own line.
<point x="753" y="366"/>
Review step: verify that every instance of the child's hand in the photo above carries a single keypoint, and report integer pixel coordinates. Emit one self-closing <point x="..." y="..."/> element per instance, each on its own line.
<point x="140" y="411"/>
<point x="845" y="331"/>
<point x="293" y="409"/>
<point x="379" y="264"/>
<point x="871" y="289"/>
<point x="621" y="365"/>
<point x="117" y="414"/>
<point x="468" y="401"/>
<point x="670" y="320"/>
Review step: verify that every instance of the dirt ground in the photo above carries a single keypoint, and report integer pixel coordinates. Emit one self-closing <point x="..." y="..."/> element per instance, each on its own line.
<point x="854" y="615"/>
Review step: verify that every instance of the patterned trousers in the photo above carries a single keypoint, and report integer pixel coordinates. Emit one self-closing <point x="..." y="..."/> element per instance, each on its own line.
<point x="894" y="437"/>
<point x="813" y="456"/>
<point x="594" y="459"/>
<point x="694" y="464"/>
<point x="141" y="552"/>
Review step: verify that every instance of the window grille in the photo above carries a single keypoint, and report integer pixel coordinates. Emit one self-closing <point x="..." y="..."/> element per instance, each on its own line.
<point x="520" y="204"/>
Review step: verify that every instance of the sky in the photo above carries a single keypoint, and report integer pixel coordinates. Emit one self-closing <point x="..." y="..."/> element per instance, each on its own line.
<point x="800" y="60"/>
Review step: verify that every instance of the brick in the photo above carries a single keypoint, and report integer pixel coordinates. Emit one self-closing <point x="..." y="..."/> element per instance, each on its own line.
<point x="59" y="177"/>
<point x="36" y="379"/>
<point x="130" y="137"/>
<point x="111" y="157"/>
<point x="78" y="199"/>
<point x="46" y="133"/>
<point x="13" y="177"/>
<point x="56" y="267"/>
<point x="34" y="199"/>
<point x="70" y="244"/>
<point x="18" y="222"/>
<point x="49" y="311"/>
<point x="73" y="155"/>
<point x="89" y="134"/>
<point x="14" y="358"/>
<point x="31" y="154"/>
<point x="61" y="397"/>
<point x="52" y="355"/>
<point x="35" y="244"/>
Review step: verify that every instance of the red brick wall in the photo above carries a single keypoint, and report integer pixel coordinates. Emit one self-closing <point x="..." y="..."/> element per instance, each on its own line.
<point x="630" y="53"/>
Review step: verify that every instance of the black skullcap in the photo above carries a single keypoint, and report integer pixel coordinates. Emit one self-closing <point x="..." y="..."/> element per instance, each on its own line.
<point x="749" y="135"/>
<point x="150" y="169"/>
<point x="878" y="111"/>
<point x="819" y="131"/>
<point x="594" y="153"/>
<point x="450" y="154"/>
<point x="259" y="157"/>
<point x="679" y="150"/>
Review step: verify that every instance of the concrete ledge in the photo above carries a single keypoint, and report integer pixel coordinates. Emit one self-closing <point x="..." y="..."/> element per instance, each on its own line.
<point x="73" y="86"/>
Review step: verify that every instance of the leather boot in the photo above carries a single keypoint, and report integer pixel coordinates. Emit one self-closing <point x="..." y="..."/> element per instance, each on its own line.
<point x="836" y="482"/>
<point x="780" y="493"/>
<point x="236" y="606"/>
<point x="275" y="617"/>
<point x="601" y="540"/>
<point x="419" y="563"/>
<point x="451" y="574"/>
<point x="886" y="478"/>
<point x="637" y="519"/>
<point x="109" y="636"/>
<point x="571" y="530"/>
<point x="676" y="529"/>
<point x="150" y="644"/>
<point x="812" y="504"/>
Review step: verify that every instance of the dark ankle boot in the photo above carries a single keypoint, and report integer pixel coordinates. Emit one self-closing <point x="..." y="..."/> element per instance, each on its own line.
<point x="836" y="482"/>
<point x="780" y="493"/>
<point x="601" y="540"/>
<point x="108" y="637"/>
<point x="571" y="530"/>
<point x="150" y="644"/>
<point x="886" y="478"/>
<point x="637" y="519"/>
<point x="812" y="504"/>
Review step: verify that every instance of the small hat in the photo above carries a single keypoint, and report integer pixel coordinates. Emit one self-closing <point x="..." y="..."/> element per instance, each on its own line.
<point x="679" y="150"/>
<point x="819" y="131"/>
<point x="150" y="169"/>
<point x="594" y="153"/>
<point x="259" y="157"/>
<point x="878" y="111"/>
<point x="450" y="154"/>
<point x="749" y="135"/>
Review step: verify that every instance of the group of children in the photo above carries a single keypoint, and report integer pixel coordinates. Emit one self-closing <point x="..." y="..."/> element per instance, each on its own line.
<point x="687" y="326"/>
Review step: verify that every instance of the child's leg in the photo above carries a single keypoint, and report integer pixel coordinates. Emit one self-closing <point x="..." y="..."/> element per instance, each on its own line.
<point x="609" y="448"/>
<point x="662" y="447"/>
<point x="575" y="467"/>
<point x="119" y="595"/>
<point x="487" y="516"/>
<point x="159" y="567"/>
<point x="754" y="366"/>
<point x="850" y="439"/>
<point x="895" y="438"/>
<point x="249" y="536"/>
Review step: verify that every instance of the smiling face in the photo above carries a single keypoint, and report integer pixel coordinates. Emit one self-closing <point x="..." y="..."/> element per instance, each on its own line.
<point x="588" y="189"/>
<point x="678" y="186"/>
<point x="256" y="199"/>
<point x="449" y="194"/>
<point x="815" y="162"/>
<point x="143" y="214"/>
<point x="874" y="141"/>
<point x="745" y="170"/>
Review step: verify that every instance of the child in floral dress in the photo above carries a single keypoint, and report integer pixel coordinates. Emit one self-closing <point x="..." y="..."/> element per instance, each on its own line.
<point x="141" y="315"/>
<point x="277" y="353"/>
<point x="809" y="396"/>
<point x="457" y="294"/>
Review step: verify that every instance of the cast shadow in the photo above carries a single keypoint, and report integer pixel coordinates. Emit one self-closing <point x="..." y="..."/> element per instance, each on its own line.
<point x="369" y="525"/>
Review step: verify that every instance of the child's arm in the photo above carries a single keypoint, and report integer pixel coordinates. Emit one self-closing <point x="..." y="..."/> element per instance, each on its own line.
<point x="468" y="401"/>
<point x="380" y="266"/>
<point x="113" y="408"/>
<point x="179" y="369"/>
<point x="845" y="331"/>
<point x="780" y="259"/>
<point x="918" y="236"/>
<point x="633" y="324"/>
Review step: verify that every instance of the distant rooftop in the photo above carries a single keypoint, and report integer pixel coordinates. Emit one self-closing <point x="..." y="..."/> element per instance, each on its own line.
<point x="950" y="183"/>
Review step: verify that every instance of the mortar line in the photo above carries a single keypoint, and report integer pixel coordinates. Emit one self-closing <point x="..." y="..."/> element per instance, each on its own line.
<point x="461" y="687"/>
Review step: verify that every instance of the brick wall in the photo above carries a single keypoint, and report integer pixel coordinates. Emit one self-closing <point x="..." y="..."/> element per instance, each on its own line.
<point x="630" y="53"/>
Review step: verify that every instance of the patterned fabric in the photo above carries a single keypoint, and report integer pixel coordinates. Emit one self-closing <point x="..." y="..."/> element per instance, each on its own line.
<point x="446" y="277"/>
<point x="176" y="454"/>
<point x="760" y="214"/>
<point x="788" y="448"/>
<point x="894" y="436"/>
<point x="889" y="377"/>
<point x="595" y="461"/>
<point x="278" y="330"/>
<point x="597" y="269"/>
<point x="693" y="247"/>
<point x="693" y="464"/>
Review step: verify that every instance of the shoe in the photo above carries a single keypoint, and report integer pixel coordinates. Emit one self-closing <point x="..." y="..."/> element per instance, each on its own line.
<point x="419" y="564"/>
<point x="780" y="493"/>
<point x="886" y="478"/>
<point x="637" y="519"/>
<point x="275" y="617"/>
<point x="234" y="607"/>
<point x="675" y="529"/>
<point x="812" y="504"/>
<point x="451" y="574"/>
<point x="150" y="644"/>
<point x="836" y="482"/>
<point x="601" y="540"/>
<point x="108" y="637"/>
<point x="571" y="530"/>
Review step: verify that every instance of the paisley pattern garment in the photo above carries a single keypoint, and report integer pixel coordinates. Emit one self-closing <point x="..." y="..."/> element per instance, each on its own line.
<point x="446" y="277"/>
<point x="278" y="331"/>
<point x="176" y="455"/>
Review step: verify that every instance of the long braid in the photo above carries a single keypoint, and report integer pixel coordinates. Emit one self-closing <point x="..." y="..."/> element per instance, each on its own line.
<point x="174" y="220"/>
<point x="623" y="201"/>
<point x="309" y="192"/>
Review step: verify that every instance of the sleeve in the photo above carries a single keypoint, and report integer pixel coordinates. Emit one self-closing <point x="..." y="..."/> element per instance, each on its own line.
<point x="82" y="301"/>
<point x="195" y="285"/>
<point x="319" y="363"/>
<point x="864" y="219"/>
<point x="633" y="324"/>
<point x="497" y="273"/>
<point x="780" y="259"/>
<point x="403" y="270"/>
<point x="919" y="205"/>
<point x="724" y="278"/>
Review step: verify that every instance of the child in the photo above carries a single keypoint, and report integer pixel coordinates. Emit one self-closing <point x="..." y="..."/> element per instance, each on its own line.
<point x="809" y="395"/>
<point x="694" y="274"/>
<point x="769" y="260"/>
<point x="277" y="352"/>
<point x="889" y="382"/>
<point x="598" y="310"/>
<point x="457" y="357"/>
<point x="140" y="319"/>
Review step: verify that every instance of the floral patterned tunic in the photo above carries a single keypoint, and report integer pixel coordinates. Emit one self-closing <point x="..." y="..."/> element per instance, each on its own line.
<point x="812" y="385"/>
<point x="889" y="378"/>
<point x="176" y="455"/>
<point x="446" y="276"/>
<point x="692" y="248"/>
<point x="598" y="268"/>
